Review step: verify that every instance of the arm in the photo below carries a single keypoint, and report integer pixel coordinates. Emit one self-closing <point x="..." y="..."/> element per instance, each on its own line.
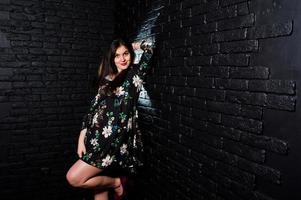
<point x="144" y="63"/>
<point x="81" y="149"/>
<point x="88" y="116"/>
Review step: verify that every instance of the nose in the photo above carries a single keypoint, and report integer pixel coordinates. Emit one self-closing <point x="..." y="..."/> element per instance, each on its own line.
<point x="122" y="58"/>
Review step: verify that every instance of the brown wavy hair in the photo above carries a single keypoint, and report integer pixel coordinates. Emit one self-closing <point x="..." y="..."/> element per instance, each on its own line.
<point x="108" y="67"/>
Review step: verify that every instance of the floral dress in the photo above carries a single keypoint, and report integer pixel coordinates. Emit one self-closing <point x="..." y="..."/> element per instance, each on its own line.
<point x="113" y="137"/>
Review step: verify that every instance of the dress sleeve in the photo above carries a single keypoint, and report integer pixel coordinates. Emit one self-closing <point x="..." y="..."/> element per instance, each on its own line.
<point x="87" y="119"/>
<point x="144" y="64"/>
<point x="139" y="71"/>
<point x="84" y="122"/>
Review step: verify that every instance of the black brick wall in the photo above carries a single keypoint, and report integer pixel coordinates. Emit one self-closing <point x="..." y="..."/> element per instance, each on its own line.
<point x="220" y="113"/>
<point x="50" y="51"/>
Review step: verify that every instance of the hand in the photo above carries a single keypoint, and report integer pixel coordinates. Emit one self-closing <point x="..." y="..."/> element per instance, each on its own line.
<point x="81" y="148"/>
<point x="146" y="46"/>
<point x="136" y="45"/>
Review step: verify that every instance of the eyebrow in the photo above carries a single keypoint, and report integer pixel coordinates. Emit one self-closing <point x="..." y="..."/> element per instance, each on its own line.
<point x="126" y="51"/>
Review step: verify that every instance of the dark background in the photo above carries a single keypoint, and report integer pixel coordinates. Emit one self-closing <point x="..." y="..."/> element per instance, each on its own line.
<point x="219" y="112"/>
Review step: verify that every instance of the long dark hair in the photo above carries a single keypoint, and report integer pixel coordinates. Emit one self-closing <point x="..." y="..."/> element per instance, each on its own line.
<point x="108" y="67"/>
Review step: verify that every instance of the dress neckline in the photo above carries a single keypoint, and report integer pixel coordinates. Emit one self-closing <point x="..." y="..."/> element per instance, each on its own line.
<point x="108" y="78"/>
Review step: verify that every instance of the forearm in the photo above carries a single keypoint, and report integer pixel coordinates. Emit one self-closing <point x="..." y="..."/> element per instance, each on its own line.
<point x="143" y="45"/>
<point x="82" y="135"/>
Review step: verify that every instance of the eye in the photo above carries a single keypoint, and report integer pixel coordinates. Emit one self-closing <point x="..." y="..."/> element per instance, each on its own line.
<point x="126" y="53"/>
<point x="117" y="55"/>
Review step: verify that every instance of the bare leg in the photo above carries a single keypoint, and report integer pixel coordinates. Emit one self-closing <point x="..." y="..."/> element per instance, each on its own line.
<point x="101" y="195"/>
<point x="83" y="175"/>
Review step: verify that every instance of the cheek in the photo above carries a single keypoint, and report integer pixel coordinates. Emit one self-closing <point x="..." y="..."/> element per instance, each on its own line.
<point x="115" y="61"/>
<point x="128" y="58"/>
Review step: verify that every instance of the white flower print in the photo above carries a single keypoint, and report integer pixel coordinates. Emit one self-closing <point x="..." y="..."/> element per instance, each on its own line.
<point x="107" y="161"/>
<point x="95" y="118"/>
<point x="134" y="141"/>
<point x="138" y="82"/>
<point x="107" y="131"/>
<point x="123" y="149"/>
<point x="119" y="91"/>
<point x="94" y="142"/>
<point x="130" y="120"/>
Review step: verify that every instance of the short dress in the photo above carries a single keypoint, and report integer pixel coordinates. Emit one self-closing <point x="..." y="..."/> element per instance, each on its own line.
<point x="113" y="138"/>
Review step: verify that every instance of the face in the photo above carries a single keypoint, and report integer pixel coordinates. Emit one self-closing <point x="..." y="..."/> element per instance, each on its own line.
<point x="122" y="58"/>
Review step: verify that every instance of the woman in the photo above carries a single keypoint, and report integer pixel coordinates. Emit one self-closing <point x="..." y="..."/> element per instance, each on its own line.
<point x="109" y="143"/>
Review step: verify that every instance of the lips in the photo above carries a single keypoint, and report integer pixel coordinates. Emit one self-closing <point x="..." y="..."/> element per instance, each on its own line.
<point x="123" y="64"/>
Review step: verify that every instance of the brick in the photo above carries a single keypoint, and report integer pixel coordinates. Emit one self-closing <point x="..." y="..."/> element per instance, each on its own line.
<point x="231" y="35"/>
<point x="6" y="72"/>
<point x="232" y="84"/>
<point x="220" y="14"/>
<point x="205" y="49"/>
<point x="200" y="39"/>
<point x="223" y="107"/>
<point x="245" y="124"/>
<point x="176" y="80"/>
<point x="244" y="151"/>
<point x="212" y="94"/>
<point x="4" y="15"/>
<point x="5" y="1"/>
<point x="255" y="112"/>
<point x="198" y="60"/>
<point x="203" y="137"/>
<point x="256" y="72"/>
<point x="204" y="28"/>
<point x="204" y="115"/>
<point x="184" y="91"/>
<point x="236" y="174"/>
<point x="216" y="71"/>
<point x="192" y="21"/>
<point x="241" y="46"/>
<point x="193" y="102"/>
<point x="243" y="9"/>
<point x="237" y="22"/>
<point x="223" y="131"/>
<point x="205" y="7"/>
<point x="273" y="86"/>
<point x="264" y="142"/>
<point x="243" y="191"/>
<point x="271" y="30"/>
<point x="281" y="102"/>
<point x="258" y="99"/>
<point x="261" y="196"/>
<point x="231" y="59"/>
<point x="260" y="170"/>
<point x="231" y="2"/>
<point x="173" y="43"/>
<point x="193" y="123"/>
<point x="181" y="52"/>
<point x="200" y="82"/>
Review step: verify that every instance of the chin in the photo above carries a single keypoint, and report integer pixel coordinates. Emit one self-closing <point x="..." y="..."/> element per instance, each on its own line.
<point x="123" y="67"/>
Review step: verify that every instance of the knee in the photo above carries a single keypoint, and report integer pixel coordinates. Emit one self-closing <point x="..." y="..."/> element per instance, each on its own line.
<point x="73" y="179"/>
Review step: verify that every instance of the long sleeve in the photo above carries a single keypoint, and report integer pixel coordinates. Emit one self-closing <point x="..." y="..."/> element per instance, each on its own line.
<point x="87" y="119"/>
<point x="144" y="64"/>
<point x="139" y="71"/>
<point x="88" y="116"/>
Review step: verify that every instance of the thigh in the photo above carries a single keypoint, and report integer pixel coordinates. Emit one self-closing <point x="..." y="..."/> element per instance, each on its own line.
<point x="81" y="172"/>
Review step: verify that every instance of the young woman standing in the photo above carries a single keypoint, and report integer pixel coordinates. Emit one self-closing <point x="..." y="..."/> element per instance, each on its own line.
<point x="110" y="143"/>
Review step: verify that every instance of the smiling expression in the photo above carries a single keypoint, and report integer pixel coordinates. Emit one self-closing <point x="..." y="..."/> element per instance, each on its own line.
<point x="122" y="58"/>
